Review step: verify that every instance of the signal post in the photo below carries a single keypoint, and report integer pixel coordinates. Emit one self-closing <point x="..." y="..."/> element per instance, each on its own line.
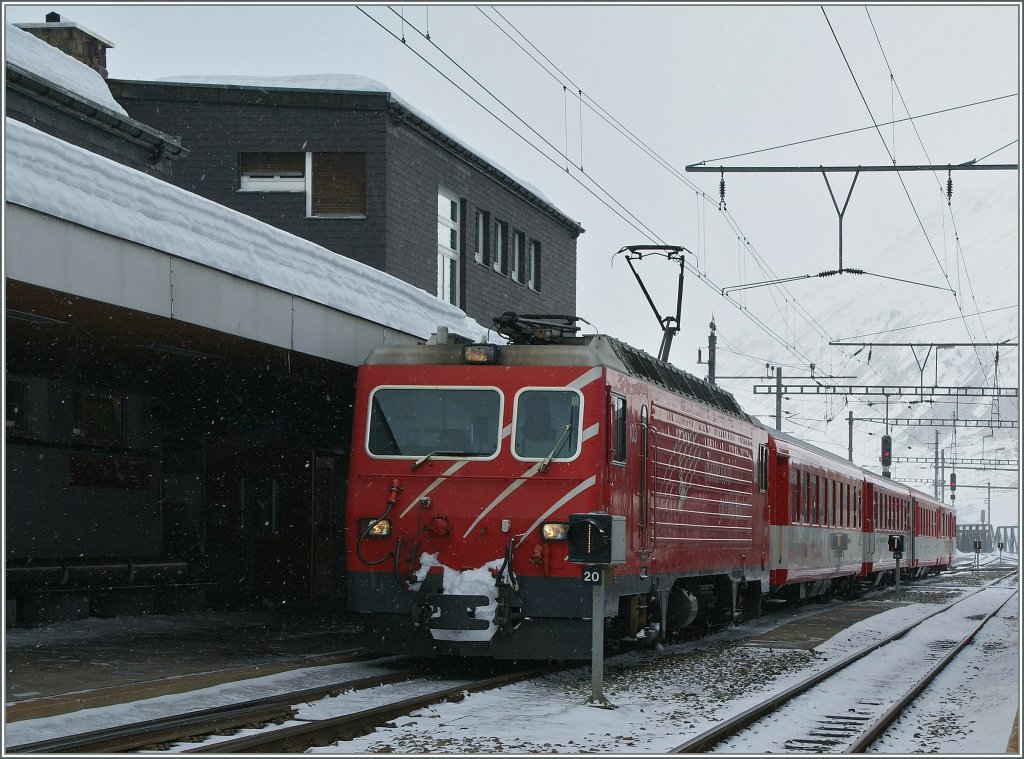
<point x="597" y="541"/>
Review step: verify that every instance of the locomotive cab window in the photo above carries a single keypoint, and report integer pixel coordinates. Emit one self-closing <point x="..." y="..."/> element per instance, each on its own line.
<point x="618" y="411"/>
<point x="547" y="424"/>
<point x="411" y="422"/>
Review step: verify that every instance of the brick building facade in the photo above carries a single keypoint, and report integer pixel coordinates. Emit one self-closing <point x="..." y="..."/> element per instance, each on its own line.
<point x="360" y="173"/>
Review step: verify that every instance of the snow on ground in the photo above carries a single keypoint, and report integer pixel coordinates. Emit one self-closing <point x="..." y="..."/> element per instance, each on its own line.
<point x="661" y="698"/>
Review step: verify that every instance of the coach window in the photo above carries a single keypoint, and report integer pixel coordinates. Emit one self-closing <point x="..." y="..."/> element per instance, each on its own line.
<point x="808" y="498"/>
<point x="794" y="495"/>
<point x="619" y="429"/>
<point x="258" y="497"/>
<point x="547" y="424"/>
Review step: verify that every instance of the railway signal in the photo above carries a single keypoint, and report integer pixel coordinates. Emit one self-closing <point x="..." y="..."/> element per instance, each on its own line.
<point x="952" y="486"/>
<point x="597" y="540"/>
<point x="886" y="454"/>
<point x="896" y="546"/>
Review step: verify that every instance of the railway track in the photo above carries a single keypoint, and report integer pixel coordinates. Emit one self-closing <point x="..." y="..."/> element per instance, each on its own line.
<point x="278" y="726"/>
<point x="180" y="727"/>
<point x="826" y="714"/>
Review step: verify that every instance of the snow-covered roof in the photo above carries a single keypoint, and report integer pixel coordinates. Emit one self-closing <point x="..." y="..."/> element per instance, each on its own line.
<point x="28" y="52"/>
<point x="351" y="83"/>
<point x="65" y="181"/>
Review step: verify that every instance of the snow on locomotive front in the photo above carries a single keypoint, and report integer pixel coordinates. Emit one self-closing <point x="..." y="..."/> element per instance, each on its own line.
<point x="464" y="471"/>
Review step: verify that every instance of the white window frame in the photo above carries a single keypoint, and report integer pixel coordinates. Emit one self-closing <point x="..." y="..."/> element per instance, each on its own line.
<point x="518" y="255"/>
<point x="274" y="183"/>
<point x="532" y="264"/>
<point x="267" y="182"/>
<point x="481" y="236"/>
<point x="500" y="248"/>
<point x="447" y="257"/>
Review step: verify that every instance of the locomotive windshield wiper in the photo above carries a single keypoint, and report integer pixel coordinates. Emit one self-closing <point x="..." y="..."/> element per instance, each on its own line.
<point x="427" y="457"/>
<point x="558" y="444"/>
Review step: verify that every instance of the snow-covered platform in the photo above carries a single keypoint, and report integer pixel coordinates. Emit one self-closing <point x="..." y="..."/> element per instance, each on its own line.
<point x="68" y="666"/>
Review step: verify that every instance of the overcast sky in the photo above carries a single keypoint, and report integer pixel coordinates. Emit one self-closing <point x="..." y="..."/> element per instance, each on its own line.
<point x="668" y="86"/>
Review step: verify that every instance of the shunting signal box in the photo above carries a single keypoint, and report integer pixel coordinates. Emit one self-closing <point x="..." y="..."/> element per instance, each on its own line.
<point x="597" y="539"/>
<point x="896" y="543"/>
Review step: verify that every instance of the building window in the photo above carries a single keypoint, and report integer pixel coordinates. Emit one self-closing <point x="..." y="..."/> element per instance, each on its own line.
<point x="272" y="172"/>
<point x="339" y="184"/>
<point x="448" y="247"/>
<point x="99" y="418"/>
<point x="481" y="254"/>
<point x="533" y="266"/>
<point x="16" y="418"/>
<point x="338" y="180"/>
<point x="518" y="263"/>
<point x="501" y="247"/>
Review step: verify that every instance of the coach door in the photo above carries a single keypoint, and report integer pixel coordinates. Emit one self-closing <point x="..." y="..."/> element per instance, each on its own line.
<point x="269" y="520"/>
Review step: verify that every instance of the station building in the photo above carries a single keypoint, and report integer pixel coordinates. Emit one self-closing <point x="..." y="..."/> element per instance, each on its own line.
<point x="178" y="372"/>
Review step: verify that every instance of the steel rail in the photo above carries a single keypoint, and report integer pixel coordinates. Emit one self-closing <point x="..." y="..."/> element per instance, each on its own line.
<point x="879" y="727"/>
<point x="710" y="738"/>
<point x="298" y="738"/>
<point x="204" y="721"/>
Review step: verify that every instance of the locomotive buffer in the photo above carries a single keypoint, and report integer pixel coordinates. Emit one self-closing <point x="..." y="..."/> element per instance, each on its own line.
<point x="597" y="541"/>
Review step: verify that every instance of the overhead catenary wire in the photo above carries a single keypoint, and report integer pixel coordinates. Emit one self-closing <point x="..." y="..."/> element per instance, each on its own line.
<point x="867" y="128"/>
<point x="635" y="223"/>
<point x="646" y="231"/>
<point x="899" y="174"/>
<point x="952" y="216"/>
<point x="625" y="132"/>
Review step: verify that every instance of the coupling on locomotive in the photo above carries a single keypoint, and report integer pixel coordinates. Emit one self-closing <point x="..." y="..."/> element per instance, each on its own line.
<point x="469" y="458"/>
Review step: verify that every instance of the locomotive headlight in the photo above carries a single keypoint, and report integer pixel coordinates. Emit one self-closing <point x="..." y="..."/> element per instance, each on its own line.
<point x="375" y="528"/>
<point x="480" y="354"/>
<point x="554" y="530"/>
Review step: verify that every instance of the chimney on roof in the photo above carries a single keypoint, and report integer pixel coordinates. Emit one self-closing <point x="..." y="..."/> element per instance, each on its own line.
<point x="73" y="40"/>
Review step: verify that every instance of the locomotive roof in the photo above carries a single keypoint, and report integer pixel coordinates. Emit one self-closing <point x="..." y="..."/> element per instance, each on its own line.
<point x="585" y="350"/>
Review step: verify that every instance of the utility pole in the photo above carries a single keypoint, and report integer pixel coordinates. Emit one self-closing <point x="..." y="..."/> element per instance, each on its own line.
<point x="712" y="344"/>
<point x="850" y="447"/>
<point x="778" y="398"/>
<point x="937" y="480"/>
<point x="942" y="473"/>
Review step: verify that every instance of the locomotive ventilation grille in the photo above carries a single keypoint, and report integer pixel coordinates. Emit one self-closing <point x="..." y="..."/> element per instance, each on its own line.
<point x="644" y="365"/>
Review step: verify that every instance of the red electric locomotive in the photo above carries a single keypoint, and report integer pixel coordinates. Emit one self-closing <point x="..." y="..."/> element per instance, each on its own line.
<point x="468" y="460"/>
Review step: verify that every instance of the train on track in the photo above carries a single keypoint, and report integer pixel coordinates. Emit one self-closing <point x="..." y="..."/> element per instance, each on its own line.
<point x="476" y="468"/>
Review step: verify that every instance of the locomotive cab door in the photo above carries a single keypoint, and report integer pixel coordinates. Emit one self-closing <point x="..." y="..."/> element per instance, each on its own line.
<point x="645" y="479"/>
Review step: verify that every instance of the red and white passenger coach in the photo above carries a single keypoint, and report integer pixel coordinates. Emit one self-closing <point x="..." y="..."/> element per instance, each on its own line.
<point x="468" y="459"/>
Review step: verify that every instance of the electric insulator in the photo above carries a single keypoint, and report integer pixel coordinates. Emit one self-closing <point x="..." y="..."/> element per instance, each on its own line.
<point x="721" y="192"/>
<point x="949" y="188"/>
